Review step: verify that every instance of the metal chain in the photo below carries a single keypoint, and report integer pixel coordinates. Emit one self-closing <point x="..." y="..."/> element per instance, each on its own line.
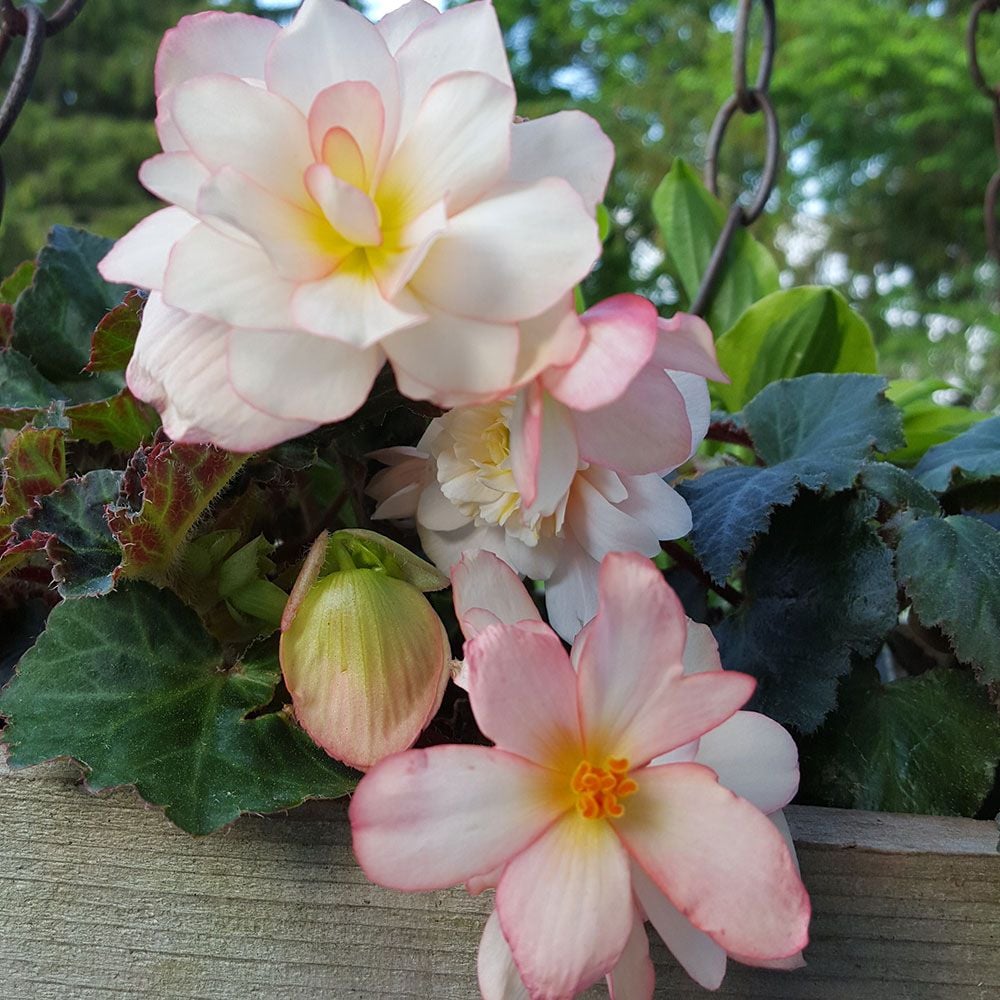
<point x="27" y="22"/>
<point x="747" y="100"/>
<point x="992" y="91"/>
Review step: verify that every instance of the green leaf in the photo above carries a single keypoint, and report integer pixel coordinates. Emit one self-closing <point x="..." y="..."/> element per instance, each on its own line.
<point x="815" y="433"/>
<point x="133" y="687"/>
<point x="950" y="569"/>
<point x="972" y="457"/>
<point x="71" y="525"/>
<point x="819" y="591"/>
<point x="113" y="340"/>
<point x="790" y="333"/>
<point x="926" y="424"/>
<point x="121" y="420"/>
<point x="178" y="483"/>
<point x="897" y="488"/>
<point x="690" y="220"/>
<point x="23" y="390"/>
<point x="927" y="744"/>
<point x="15" y="283"/>
<point x="55" y="317"/>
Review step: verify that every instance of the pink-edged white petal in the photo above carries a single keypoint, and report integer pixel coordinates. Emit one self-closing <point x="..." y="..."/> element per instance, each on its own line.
<point x="565" y="907"/>
<point x="649" y="707"/>
<point x="543" y="452"/>
<point x="140" y="257"/>
<point x="446" y="548"/>
<point x="602" y="527"/>
<point x="646" y="430"/>
<point x="621" y="335"/>
<point x="536" y="561"/>
<point x="329" y="43"/>
<point x="350" y="212"/>
<point x="228" y="280"/>
<point x="431" y="819"/>
<point x="523" y="694"/>
<point x="351" y="109"/>
<point x="657" y="505"/>
<point x="511" y="256"/>
<point x="179" y="366"/>
<point x="229" y="123"/>
<point x="571" y="591"/>
<point x="568" y="144"/>
<point x="698" y="405"/>
<point x="450" y="359"/>
<point x="553" y="338"/>
<point x="701" y="651"/>
<point x="633" y="978"/>
<point x="462" y="38"/>
<point x="700" y="957"/>
<point x="483" y="581"/>
<point x="754" y="757"/>
<point x="299" y="376"/>
<point x="457" y="148"/>
<point x="436" y="512"/>
<point x="685" y="344"/>
<point x="744" y="891"/>
<point x="497" y="973"/>
<point x="348" y="306"/>
<point x="174" y="177"/>
<point x="214" y="42"/>
<point x="397" y="26"/>
<point x="291" y="236"/>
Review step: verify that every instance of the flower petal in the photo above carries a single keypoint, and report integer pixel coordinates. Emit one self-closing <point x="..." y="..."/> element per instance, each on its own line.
<point x="571" y="591"/>
<point x="179" y="366"/>
<point x="741" y="888"/>
<point x="565" y="907"/>
<point x="523" y="694"/>
<point x="698" y="405"/>
<point x="601" y="527"/>
<point x="568" y="144"/>
<point x="701" y="958"/>
<point x="497" y="973"/>
<point x="348" y="209"/>
<point x="650" y="707"/>
<point x="554" y="337"/>
<point x="482" y="580"/>
<point x="300" y="376"/>
<point x="213" y="42"/>
<point x="754" y="757"/>
<point x="621" y="335"/>
<point x="140" y="257"/>
<point x="174" y="177"/>
<point x="511" y="256"/>
<point x="543" y="453"/>
<point x="701" y="651"/>
<point x="229" y="123"/>
<point x="685" y="344"/>
<point x="430" y="819"/>
<point x="397" y="26"/>
<point x="633" y="978"/>
<point x="446" y="548"/>
<point x="436" y="512"/>
<point x="353" y="107"/>
<point x="653" y="502"/>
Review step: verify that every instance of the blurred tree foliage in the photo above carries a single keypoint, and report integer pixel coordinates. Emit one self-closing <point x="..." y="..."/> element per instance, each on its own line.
<point x="888" y="147"/>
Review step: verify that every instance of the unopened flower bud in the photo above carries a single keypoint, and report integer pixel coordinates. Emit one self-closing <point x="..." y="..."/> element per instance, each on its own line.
<point x="364" y="655"/>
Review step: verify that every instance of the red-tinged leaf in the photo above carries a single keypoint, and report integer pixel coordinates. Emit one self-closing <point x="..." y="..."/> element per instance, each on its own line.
<point x="178" y="483"/>
<point x="122" y="420"/>
<point x="6" y="324"/>
<point x="114" y="339"/>
<point x="35" y="464"/>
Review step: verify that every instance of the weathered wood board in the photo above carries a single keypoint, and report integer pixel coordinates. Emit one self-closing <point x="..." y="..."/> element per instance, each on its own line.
<point x="103" y="898"/>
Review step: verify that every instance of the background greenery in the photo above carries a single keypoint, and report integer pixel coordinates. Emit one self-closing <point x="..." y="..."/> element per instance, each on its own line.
<point x="887" y="148"/>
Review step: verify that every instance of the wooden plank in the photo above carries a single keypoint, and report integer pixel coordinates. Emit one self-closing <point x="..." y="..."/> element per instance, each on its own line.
<point x="100" y="897"/>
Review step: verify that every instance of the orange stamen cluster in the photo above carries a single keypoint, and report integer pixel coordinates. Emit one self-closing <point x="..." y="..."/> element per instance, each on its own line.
<point x="598" y="789"/>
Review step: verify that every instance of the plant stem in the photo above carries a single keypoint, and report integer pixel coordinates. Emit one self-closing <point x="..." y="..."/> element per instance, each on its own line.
<point x="685" y="560"/>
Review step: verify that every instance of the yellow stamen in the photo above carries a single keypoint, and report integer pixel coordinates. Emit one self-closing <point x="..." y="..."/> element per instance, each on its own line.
<point x="598" y="789"/>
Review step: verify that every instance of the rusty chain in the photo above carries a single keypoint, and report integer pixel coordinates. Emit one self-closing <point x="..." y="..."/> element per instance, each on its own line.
<point x="27" y="22"/>
<point x="747" y="99"/>
<point x="992" y="91"/>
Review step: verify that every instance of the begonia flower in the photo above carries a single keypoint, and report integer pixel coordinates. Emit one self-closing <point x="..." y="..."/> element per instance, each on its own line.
<point x="576" y="814"/>
<point x="364" y="656"/>
<point x="341" y="194"/>
<point x="752" y="755"/>
<point x="570" y="467"/>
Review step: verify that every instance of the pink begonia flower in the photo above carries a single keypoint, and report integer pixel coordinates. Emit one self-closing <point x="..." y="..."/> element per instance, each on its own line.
<point x="569" y="468"/>
<point x="593" y="807"/>
<point x="342" y="193"/>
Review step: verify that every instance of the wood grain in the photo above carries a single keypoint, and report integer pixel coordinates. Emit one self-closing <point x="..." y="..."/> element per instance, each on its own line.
<point x="100" y="897"/>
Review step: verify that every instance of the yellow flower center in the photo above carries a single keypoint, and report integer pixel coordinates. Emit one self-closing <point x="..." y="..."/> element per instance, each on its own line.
<point x="598" y="789"/>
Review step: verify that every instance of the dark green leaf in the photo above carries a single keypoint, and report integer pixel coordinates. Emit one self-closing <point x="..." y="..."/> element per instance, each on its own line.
<point x="813" y="432"/>
<point x="690" y="220"/>
<point x="819" y="591"/>
<point x="22" y="388"/>
<point x="972" y="457"/>
<point x="927" y="744"/>
<point x="71" y="524"/>
<point x="133" y="687"/>
<point x="897" y="488"/>
<point x="55" y="317"/>
<point x="790" y="333"/>
<point x="950" y="569"/>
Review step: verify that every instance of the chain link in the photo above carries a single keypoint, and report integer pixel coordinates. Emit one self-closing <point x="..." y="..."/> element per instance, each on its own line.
<point x="992" y="91"/>
<point x="747" y="100"/>
<point x="27" y="22"/>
